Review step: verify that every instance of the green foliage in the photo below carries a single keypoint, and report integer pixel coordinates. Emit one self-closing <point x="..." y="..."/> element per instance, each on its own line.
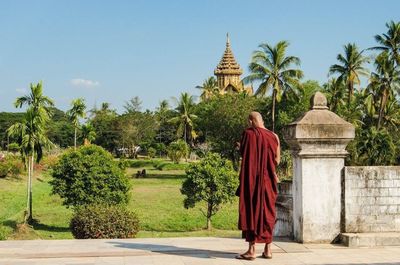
<point x="104" y="221"/>
<point x="135" y="129"/>
<point x="6" y="120"/>
<point x="375" y="147"/>
<point x="285" y="167"/>
<point x="185" y="117"/>
<point x="178" y="150"/>
<point x="60" y="130"/>
<point x="151" y="152"/>
<point x="105" y="124"/>
<point x="272" y="68"/>
<point x="13" y="147"/>
<point x="135" y="163"/>
<point x="89" y="175"/>
<point x="11" y="166"/>
<point x="213" y="181"/>
<point x="222" y="120"/>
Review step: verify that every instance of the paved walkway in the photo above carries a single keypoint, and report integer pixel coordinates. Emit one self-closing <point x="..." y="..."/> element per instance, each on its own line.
<point x="179" y="251"/>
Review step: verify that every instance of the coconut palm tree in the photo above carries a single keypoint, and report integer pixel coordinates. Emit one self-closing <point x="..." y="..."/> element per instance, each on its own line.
<point x="209" y="88"/>
<point x="88" y="133"/>
<point x="385" y="81"/>
<point x="390" y="41"/>
<point x="272" y="67"/>
<point x="184" y="117"/>
<point x="31" y="133"/>
<point x="336" y="93"/>
<point x="77" y="111"/>
<point x="351" y="67"/>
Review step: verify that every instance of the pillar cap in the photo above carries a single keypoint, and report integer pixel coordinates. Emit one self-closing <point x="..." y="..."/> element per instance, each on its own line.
<point x="319" y="123"/>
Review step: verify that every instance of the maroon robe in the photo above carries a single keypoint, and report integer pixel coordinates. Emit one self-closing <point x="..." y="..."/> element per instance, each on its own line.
<point x="258" y="187"/>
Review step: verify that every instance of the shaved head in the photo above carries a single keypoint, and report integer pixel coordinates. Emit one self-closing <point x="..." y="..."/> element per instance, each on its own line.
<point x="256" y="120"/>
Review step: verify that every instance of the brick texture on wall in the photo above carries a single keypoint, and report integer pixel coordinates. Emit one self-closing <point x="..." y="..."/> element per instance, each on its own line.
<point x="371" y="199"/>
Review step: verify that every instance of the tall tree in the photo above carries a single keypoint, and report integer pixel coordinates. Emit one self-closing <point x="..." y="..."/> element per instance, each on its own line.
<point x="31" y="133"/>
<point x="385" y="81"/>
<point x="184" y="117"/>
<point x="272" y="67"/>
<point x="75" y="113"/>
<point x="351" y="67"/>
<point x="209" y="88"/>
<point x="133" y="105"/>
<point x="390" y="41"/>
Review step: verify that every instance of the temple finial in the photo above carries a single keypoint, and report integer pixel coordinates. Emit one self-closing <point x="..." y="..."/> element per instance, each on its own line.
<point x="228" y="42"/>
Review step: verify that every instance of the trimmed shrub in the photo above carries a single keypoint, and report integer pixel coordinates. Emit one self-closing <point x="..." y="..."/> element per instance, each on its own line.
<point x="178" y="150"/>
<point x="151" y="152"/>
<point x="104" y="221"/>
<point x="89" y="175"/>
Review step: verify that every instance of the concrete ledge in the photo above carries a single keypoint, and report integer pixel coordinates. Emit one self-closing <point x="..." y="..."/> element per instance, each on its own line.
<point x="370" y="239"/>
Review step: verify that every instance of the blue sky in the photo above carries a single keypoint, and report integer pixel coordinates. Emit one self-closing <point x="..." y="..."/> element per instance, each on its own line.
<point x="110" y="51"/>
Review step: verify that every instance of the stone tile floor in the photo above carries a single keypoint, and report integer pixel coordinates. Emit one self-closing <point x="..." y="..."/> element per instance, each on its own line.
<point x="183" y="251"/>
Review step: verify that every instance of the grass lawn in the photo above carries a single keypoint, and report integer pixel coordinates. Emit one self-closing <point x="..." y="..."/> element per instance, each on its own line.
<point x="156" y="199"/>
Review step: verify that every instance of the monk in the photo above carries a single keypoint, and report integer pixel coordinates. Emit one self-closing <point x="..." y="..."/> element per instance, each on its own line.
<point x="260" y="151"/>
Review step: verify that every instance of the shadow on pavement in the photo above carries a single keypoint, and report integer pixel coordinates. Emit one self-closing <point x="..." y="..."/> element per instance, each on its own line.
<point x="172" y="250"/>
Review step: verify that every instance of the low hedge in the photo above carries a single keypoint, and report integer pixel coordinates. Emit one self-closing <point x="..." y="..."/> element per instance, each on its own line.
<point x="104" y="221"/>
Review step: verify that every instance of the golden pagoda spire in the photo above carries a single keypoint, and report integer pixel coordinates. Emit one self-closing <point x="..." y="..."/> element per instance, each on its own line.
<point x="228" y="71"/>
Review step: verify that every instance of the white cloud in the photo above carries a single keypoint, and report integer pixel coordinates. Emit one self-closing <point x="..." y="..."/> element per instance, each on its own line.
<point x="80" y="82"/>
<point x="21" y="90"/>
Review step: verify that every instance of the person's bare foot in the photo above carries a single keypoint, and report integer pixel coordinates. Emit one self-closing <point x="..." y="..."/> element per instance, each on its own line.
<point x="267" y="251"/>
<point x="246" y="256"/>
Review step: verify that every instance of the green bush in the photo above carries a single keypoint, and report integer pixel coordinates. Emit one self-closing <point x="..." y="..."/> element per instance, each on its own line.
<point x="89" y="175"/>
<point x="178" y="150"/>
<point x="104" y="221"/>
<point x="151" y="152"/>
<point x="13" y="147"/>
<point x="3" y="235"/>
<point x="49" y="161"/>
<point x="213" y="181"/>
<point x="142" y="163"/>
<point x="11" y="166"/>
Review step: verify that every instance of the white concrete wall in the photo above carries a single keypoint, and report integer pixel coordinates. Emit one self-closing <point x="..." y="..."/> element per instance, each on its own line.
<point x="371" y="199"/>
<point x="317" y="199"/>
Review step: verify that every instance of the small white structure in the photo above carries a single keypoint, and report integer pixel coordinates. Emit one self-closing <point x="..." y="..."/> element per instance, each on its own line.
<point x="318" y="140"/>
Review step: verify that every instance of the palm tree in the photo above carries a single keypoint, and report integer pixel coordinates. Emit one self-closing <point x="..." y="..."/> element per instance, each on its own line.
<point x="390" y="41"/>
<point x="31" y="133"/>
<point x="385" y="81"/>
<point x="184" y="117"/>
<point x="77" y="111"/>
<point x="88" y="133"/>
<point x="350" y="68"/>
<point x="272" y="68"/>
<point x="209" y="88"/>
<point x="336" y="91"/>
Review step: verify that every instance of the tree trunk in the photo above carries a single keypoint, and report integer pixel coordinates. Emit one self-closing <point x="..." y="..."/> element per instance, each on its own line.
<point x="273" y="109"/>
<point x="75" y="139"/>
<point x="209" y="227"/>
<point x="382" y="107"/>
<point x="209" y="214"/>
<point x="350" y="92"/>
<point x="28" y="191"/>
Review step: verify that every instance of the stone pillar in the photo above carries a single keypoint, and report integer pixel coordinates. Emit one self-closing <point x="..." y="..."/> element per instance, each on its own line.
<point x="317" y="141"/>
